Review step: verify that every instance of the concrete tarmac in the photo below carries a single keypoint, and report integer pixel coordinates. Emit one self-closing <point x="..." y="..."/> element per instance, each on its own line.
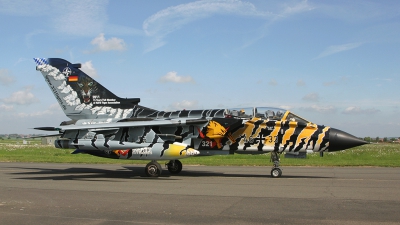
<point x="46" y="193"/>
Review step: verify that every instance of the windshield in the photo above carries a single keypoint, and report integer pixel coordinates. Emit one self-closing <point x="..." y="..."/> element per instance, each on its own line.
<point x="265" y="113"/>
<point x="295" y="118"/>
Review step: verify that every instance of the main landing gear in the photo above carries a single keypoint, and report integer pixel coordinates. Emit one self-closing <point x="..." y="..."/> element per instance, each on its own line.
<point x="174" y="166"/>
<point x="276" y="171"/>
<point x="153" y="168"/>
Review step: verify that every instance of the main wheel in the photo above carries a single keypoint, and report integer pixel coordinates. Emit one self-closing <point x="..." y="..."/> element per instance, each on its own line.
<point x="276" y="172"/>
<point x="153" y="169"/>
<point x="174" y="166"/>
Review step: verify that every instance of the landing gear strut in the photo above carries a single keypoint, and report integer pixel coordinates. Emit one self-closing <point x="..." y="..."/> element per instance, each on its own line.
<point x="174" y="166"/>
<point x="276" y="171"/>
<point x="153" y="169"/>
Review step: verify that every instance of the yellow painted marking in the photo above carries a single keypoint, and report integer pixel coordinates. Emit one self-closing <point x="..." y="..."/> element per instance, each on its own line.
<point x="215" y="130"/>
<point x="247" y="130"/>
<point x="257" y="132"/>
<point x="285" y="115"/>
<point x="289" y="132"/>
<point x="174" y="150"/>
<point x="306" y="134"/>
<point x="271" y="139"/>
<point x="321" y="137"/>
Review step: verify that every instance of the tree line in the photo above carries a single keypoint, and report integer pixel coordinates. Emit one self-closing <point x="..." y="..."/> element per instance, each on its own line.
<point x="378" y="139"/>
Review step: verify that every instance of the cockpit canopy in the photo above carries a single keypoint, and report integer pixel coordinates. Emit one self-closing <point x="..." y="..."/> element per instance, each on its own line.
<point x="267" y="113"/>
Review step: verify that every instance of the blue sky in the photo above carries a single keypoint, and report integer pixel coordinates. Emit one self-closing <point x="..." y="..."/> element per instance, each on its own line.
<point x="335" y="63"/>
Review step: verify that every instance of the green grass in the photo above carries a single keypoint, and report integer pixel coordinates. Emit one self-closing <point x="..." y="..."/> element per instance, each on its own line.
<point x="385" y="155"/>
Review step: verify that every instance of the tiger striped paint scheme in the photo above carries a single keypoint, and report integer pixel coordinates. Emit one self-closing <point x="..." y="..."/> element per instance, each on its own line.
<point x="264" y="135"/>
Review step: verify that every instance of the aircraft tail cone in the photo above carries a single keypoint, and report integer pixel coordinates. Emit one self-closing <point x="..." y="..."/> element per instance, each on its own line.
<point x="340" y="140"/>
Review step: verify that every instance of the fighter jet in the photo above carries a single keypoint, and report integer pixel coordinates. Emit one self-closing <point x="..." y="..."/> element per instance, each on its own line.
<point x="105" y="125"/>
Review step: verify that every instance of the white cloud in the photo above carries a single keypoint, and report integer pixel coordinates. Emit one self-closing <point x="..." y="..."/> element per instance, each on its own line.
<point x="293" y="9"/>
<point x="54" y="107"/>
<point x="383" y="79"/>
<point x="29" y="37"/>
<point x="357" y="111"/>
<point x="69" y="17"/>
<point x="103" y="45"/>
<point x="287" y="107"/>
<point x="338" y="48"/>
<point x="330" y="83"/>
<point x="185" y="104"/>
<point x="88" y="68"/>
<point x="337" y="82"/>
<point x="23" y="97"/>
<point x="51" y="110"/>
<point x="320" y="109"/>
<point x="173" y="18"/>
<point x="283" y="12"/>
<point x="81" y="18"/>
<point x="23" y="7"/>
<point x="72" y="17"/>
<point x="5" y="78"/>
<point x="312" y="97"/>
<point x="272" y="82"/>
<point x="6" y="107"/>
<point x="20" y="60"/>
<point x="174" y="78"/>
<point x="353" y="11"/>
<point x="300" y="83"/>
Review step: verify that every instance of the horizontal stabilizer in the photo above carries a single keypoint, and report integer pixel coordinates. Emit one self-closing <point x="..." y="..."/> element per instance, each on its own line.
<point x="45" y="136"/>
<point x="47" y="128"/>
<point x="170" y="122"/>
<point x="134" y="119"/>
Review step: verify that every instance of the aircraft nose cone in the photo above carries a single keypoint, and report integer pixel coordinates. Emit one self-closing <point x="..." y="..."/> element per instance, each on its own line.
<point x="340" y="140"/>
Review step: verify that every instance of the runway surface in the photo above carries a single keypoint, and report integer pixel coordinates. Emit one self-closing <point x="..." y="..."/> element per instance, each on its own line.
<point x="35" y="193"/>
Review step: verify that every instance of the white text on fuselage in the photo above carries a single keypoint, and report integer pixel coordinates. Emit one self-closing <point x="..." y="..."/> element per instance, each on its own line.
<point x="142" y="151"/>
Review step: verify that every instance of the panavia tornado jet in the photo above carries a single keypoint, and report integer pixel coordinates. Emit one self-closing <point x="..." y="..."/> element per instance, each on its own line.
<point x="105" y="125"/>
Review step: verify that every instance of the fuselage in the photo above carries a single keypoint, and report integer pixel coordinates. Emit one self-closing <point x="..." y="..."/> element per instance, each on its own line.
<point x="253" y="130"/>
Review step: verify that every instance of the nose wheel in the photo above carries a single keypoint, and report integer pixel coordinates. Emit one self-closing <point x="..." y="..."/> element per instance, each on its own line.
<point x="276" y="170"/>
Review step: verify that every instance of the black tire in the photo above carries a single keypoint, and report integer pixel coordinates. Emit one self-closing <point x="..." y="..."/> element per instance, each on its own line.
<point x="174" y="168"/>
<point x="276" y="172"/>
<point x="153" y="169"/>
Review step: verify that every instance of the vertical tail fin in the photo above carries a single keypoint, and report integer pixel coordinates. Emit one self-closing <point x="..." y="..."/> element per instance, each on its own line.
<point x="79" y="95"/>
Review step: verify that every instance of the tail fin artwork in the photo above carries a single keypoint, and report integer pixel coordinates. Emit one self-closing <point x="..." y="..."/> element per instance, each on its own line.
<point x="79" y="95"/>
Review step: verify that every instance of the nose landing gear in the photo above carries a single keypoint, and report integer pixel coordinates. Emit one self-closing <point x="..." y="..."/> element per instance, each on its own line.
<point x="276" y="170"/>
